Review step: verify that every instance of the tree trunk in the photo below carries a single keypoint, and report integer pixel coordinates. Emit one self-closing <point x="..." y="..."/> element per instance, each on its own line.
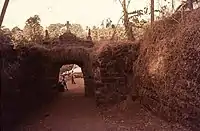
<point x="127" y="25"/>
<point x="152" y="11"/>
<point x="3" y="11"/>
<point x="172" y="5"/>
<point x="190" y="4"/>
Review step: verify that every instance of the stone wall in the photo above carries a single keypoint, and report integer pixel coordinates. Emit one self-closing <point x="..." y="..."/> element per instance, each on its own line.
<point x="35" y="69"/>
<point x="29" y="73"/>
<point x="168" y="68"/>
<point x="76" y="55"/>
<point x="9" y="78"/>
<point x="24" y="84"/>
<point x="113" y="70"/>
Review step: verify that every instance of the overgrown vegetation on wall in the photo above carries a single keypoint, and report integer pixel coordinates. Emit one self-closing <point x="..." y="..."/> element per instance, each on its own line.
<point x="164" y="68"/>
<point x="113" y="71"/>
<point x="24" y="83"/>
<point x="168" y="69"/>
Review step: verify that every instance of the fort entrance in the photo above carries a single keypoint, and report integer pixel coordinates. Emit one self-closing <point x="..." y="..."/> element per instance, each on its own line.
<point x="72" y="50"/>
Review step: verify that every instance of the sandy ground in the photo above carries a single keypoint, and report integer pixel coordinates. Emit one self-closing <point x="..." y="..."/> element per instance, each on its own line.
<point x="71" y="111"/>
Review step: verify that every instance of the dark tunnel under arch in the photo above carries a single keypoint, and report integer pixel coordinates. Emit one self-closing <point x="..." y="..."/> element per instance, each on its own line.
<point x="75" y="55"/>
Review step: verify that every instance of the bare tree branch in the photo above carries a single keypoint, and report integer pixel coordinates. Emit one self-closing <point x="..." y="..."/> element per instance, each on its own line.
<point x="128" y="3"/>
<point x="120" y="2"/>
<point x="116" y="27"/>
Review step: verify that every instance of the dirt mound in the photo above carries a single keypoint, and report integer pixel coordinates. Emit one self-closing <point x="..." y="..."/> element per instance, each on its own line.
<point x="168" y="69"/>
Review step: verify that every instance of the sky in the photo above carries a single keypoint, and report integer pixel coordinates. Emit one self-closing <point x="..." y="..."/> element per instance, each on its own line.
<point x="84" y="12"/>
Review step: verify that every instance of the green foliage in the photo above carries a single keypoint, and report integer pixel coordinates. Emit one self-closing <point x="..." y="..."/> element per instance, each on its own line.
<point x="55" y="30"/>
<point x="77" y="30"/>
<point x="135" y="18"/>
<point x="107" y="33"/>
<point x="17" y="35"/>
<point x="187" y="3"/>
<point x="107" y="23"/>
<point x="33" y="31"/>
<point x="33" y="21"/>
<point x="5" y="36"/>
<point x="67" y="67"/>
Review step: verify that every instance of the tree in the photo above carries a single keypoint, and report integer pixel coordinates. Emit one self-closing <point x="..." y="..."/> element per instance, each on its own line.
<point x="135" y="16"/>
<point x="3" y="11"/>
<point x="130" y="16"/>
<point x="190" y="4"/>
<point x="17" y="34"/>
<point x="152" y="11"/>
<point x="94" y="33"/>
<point x="172" y="5"/>
<point x="67" y="67"/>
<point x="107" y="23"/>
<point x="77" y="29"/>
<point x="187" y="4"/>
<point x="55" y="30"/>
<point x="5" y="36"/>
<point x="127" y="25"/>
<point x="130" y="20"/>
<point x="33" y="31"/>
<point x="6" y="30"/>
<point x="165" y="9"/>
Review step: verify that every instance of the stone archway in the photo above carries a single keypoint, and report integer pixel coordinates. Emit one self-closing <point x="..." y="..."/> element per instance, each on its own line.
<point x="79" y="56"/>
<point x="69" y="49"/>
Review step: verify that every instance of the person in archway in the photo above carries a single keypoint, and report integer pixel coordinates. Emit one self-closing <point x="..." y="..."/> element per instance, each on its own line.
<point x="64" y="82"/>
<point x="73" y="82"/>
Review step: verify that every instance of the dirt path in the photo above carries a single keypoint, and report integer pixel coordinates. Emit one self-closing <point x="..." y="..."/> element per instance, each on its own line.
<point x="74" y="112"/>
<point x="70" y="112"/>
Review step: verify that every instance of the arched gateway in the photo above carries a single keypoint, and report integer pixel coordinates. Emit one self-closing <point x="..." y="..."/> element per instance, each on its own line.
<point x="69" y="49"/>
